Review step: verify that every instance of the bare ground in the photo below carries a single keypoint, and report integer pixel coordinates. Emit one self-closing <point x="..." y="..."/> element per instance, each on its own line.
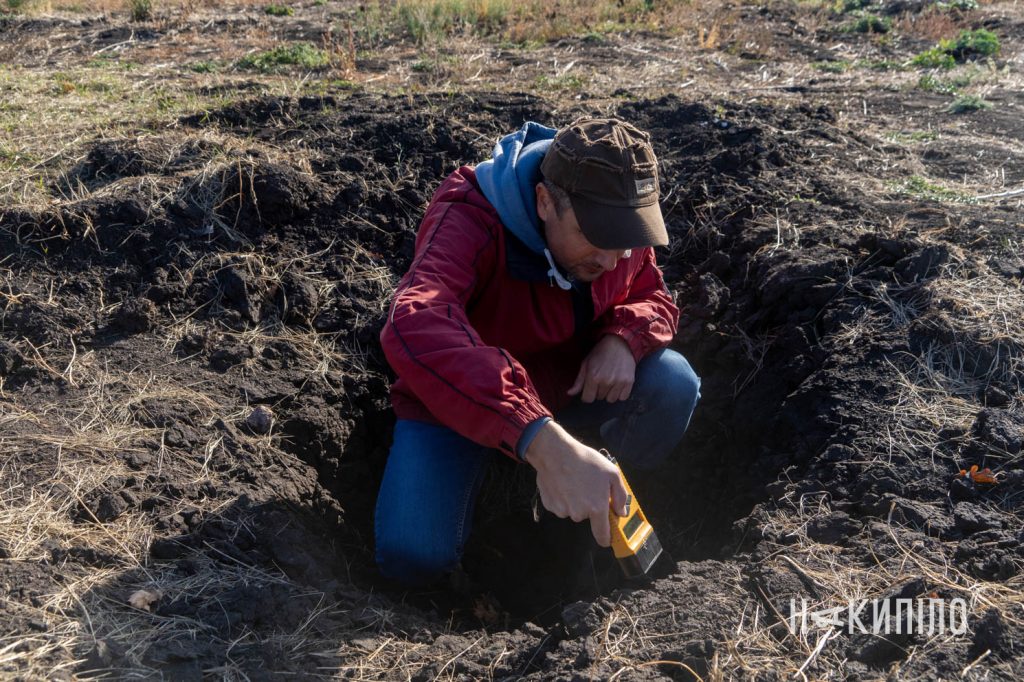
<point x="195" y="258"/>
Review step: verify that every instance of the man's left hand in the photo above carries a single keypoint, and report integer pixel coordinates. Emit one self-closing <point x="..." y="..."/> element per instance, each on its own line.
<point x="607" y="373"/>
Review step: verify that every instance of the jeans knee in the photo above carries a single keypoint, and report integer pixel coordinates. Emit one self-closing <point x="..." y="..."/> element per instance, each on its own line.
<point x="673" y="378"/>
<point x="413" y="564"/>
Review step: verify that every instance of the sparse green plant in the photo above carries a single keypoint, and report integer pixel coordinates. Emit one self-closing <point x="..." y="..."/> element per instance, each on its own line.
<point x="204" y="66"/>
<point x="921" y="188"/>
<point x="140" y="10"/>
<point x="372" y="23"/>
<point x="913" y="136"/>
<point x="880" y="64"/>
<point x="565" y="83"/>
<point x="279" y="10"/>
<point x="934" y="58"/>
<point x="433" y="20"/>
<point x="959" y="5"/>
<point x="844" y="6"/>
<point x="527" y="44"/>
<point x="966" y="46"/>
<point x="111" y="62"/>
<point x="970" y="44"/>
<point x="436" y="64"/>
<point x="64" y="84"/>
<point x="966" y="103"/>
<point x="946" y="86"/>
<point x="306" y="55"/>
<point x="871" y="23"/>
<point x="838" y="66"/>
<point x="930" y="83"/>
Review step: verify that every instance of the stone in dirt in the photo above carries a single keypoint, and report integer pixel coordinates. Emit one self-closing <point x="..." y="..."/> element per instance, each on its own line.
<point x="261" y="419"/>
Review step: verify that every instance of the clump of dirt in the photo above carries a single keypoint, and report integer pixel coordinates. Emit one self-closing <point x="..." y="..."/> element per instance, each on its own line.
<point x="850" y="370"/>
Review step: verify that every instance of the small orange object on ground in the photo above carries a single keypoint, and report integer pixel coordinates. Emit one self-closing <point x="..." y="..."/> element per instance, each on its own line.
<point x="983" y="476"/>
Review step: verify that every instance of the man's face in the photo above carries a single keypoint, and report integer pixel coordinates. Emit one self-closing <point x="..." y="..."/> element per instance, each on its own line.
<point x="568" y="245"/>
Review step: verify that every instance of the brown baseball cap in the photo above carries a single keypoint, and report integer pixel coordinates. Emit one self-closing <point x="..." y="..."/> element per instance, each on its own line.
<point x="608" y="169"/>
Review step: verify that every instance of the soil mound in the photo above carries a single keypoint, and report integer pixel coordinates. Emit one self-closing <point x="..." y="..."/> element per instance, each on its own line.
<point x="854" y="359"/>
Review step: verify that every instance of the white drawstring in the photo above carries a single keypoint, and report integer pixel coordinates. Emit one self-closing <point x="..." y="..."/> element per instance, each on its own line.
<point x="554" y="273"/>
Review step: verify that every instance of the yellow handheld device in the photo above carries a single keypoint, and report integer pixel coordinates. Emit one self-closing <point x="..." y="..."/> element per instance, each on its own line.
<point x="633" y="539"/>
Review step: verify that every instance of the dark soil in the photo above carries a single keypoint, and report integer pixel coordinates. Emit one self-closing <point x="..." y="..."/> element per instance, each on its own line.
<point x="809" y="296"/>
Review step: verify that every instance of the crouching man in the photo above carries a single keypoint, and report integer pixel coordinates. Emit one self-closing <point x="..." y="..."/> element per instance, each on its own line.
<point x="533" y="310"/>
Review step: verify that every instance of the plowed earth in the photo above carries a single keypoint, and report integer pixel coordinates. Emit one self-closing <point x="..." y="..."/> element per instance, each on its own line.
<point x="858" y="346"/>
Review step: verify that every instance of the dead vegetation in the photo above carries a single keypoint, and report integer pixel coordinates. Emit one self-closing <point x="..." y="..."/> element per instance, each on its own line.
<point x="62" y="449"/>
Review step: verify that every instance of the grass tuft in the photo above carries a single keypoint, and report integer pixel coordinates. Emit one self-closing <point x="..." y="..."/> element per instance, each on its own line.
<point x="279" y="11"/>
<point x="838" y="66"/>
<point x="431" y="20"/>
<point x="921" y="188"/>
<point x="965" y="47"/>
<point x="934" y="58"/>
<point x="913" y="136"/>
<point x="958" y="5"/>
<point x="306" y="55"/>
<point x="565" y="83"/>
<point x="930" y="83"/>
<point x="966" y="103"/>
<point x="844" y="6"/>
<point x="871" y="23"/>
<point x="140" y="10"/>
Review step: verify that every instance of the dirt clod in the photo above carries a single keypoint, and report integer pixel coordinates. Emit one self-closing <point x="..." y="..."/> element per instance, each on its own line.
<point x="261" y="419"/>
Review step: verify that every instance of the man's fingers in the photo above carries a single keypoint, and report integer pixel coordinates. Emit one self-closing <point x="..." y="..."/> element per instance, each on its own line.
<point x="621" y="392"/>
<point x="619" y="496"/>
<point x="552" y="504"/>
<point x="604" y="390"/>
<point x="580" y="376"/>
<point x="611" y="390"/>
<point x="601" y="528"/>
<point x="589" y="391"/>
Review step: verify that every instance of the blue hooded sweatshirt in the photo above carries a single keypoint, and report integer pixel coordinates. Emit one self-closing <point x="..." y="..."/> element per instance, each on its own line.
<point x="508" y="181"/>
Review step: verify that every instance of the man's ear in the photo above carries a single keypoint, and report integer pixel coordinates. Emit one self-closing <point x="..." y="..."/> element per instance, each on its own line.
<point x="545" y="206"/>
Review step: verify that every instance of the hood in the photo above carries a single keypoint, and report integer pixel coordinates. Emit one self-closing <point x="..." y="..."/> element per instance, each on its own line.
<point x="508" y="180"/>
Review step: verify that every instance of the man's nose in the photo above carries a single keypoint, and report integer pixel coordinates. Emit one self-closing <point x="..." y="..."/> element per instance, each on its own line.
<point x="608" y="259"/>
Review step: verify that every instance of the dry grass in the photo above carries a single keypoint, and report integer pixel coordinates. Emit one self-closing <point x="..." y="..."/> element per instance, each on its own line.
<point x="936" y="390"/>
<point x="35" y="7"/>
<point x="935" y="393"/>
<point x="59" y="451"/>
<point x="839" y="576"/>
<point x="931" y="24"/>
<point x="57" y="456"/>
<point x="45" y="132"/>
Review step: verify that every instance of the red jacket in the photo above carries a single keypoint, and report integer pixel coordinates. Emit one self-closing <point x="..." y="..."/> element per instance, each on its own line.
<point x="481" y="340"/>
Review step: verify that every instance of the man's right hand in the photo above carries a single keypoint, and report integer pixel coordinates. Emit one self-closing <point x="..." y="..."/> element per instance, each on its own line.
<point x="576" y="481"/>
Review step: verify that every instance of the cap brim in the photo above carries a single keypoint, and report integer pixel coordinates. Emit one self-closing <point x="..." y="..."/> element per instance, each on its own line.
<point x="620" y="227"/>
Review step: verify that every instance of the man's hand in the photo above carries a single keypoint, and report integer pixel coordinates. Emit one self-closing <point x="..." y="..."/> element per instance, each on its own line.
<point x="607" y="373"/>
<point x="576" y="481"/>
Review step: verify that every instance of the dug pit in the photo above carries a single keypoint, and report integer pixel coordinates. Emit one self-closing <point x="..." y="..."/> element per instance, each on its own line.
<point x="755" y="312"/>
<point x="259" y="246"/>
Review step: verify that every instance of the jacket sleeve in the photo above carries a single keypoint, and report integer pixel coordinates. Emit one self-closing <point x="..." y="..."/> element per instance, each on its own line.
<point x="478" y="390"/>
<point x="647" y="318"/>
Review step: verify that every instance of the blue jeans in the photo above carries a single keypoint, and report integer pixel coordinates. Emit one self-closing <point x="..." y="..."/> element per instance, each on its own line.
<point x="433" y="475"/>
